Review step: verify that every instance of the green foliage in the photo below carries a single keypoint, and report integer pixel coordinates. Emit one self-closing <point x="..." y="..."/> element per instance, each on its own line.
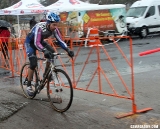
<point x="7" y="3"/>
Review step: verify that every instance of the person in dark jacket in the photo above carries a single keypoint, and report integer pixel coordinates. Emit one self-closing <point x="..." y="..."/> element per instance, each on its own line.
<point x="32" y="22"/>
<point x="4" y="36"/>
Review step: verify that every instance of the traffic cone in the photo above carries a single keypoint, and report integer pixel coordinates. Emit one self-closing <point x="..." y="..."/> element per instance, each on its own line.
<point x="94" y="38"/>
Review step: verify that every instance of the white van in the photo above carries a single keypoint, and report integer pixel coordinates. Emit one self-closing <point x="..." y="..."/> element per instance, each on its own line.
<point x="143" y="17"/>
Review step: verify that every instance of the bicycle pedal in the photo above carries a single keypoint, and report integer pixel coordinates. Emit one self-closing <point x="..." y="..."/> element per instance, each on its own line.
<point x="25" y="82"/>
<point x="61" y="90"/>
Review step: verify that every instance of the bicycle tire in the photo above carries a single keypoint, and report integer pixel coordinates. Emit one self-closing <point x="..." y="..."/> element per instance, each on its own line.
<point x="67" y="90"/>
<point x="23" y="80"/>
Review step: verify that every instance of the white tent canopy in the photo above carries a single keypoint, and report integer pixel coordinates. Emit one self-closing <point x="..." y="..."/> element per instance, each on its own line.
<point x="76" y="5"/>
<point x="99" y="7"/>
<point x="24" y="7"/>
<point x="69" y="5"/>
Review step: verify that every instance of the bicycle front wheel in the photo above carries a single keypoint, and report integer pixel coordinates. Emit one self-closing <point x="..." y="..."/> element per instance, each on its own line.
<point x="24" y="80"/>
<point x="59" y="90"/>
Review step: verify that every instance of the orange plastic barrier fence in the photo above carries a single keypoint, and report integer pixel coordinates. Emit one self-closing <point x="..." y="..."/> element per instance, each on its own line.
<point x="6" y="53"/>
<point x="17" y="57"/>
<point x="101" y="74"/>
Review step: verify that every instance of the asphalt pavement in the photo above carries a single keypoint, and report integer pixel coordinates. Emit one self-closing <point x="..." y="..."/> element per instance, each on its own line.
<point x="88" y="111"/>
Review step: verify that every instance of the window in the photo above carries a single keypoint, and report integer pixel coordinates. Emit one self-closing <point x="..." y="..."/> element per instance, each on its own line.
<point x="159" y="9"/>
<point x="151" y="11"/>
<point x="136" y="11"/>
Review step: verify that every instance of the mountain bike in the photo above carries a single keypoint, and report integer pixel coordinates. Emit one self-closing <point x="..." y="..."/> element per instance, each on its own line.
<point x="59" y="85"/>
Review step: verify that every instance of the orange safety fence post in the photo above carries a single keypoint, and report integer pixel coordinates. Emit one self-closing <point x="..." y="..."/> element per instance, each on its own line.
<point x="72" y="61"/>
<point x="19" y="54"/>
<point x="11" y="58"/>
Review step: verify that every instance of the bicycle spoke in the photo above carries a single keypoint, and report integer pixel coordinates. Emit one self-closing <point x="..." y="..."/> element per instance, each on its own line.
<point x="24" y="80"/>
<point x="60" y="91"/>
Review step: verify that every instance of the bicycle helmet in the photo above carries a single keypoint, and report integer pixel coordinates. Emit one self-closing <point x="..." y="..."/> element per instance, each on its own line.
<point x="52" y="17"/>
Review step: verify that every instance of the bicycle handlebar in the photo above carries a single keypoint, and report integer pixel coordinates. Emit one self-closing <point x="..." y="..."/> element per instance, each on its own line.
<point x="149" y="52"/>
<point x="56" y="54"/>
<point x="53" y="54"/>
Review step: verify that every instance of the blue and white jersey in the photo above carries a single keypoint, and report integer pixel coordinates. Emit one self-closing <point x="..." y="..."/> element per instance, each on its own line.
<point x="40" y="32"/>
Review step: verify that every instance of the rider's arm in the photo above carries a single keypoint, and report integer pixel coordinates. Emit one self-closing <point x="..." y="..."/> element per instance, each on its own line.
<point x="37" y="38"/>
<point x="58" y="37"/>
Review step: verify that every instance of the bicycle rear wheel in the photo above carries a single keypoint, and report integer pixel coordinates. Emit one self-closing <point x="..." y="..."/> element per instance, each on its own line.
<point x="24" y="80"/>
<point x="59" y="90"/>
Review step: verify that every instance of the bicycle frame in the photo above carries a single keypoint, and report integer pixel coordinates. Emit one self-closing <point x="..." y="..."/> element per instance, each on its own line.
<point x="51" y="68"/>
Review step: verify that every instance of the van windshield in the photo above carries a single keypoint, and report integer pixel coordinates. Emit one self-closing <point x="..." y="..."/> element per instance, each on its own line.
<point x="136" y="11"/>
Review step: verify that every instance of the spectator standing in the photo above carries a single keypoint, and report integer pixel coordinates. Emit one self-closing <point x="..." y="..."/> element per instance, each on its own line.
<point x="32" y="22"/>
<point x="4" y="36"/>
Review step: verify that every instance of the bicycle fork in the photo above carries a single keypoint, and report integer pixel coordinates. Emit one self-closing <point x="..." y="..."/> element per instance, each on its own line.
<point x="55" y="77"/>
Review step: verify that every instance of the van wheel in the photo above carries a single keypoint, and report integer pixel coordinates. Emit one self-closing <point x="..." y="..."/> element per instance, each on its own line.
<point x="144" y="32"/>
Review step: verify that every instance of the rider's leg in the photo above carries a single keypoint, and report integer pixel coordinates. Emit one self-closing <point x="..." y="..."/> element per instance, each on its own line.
<point x="33" y="65"/>
<point x="49" y="48"/>
<point x="31" y="53"/>
<point x="30" y="76"/>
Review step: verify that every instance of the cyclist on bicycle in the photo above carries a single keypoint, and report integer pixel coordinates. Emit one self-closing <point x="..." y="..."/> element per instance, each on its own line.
<point x="35" y="41"/>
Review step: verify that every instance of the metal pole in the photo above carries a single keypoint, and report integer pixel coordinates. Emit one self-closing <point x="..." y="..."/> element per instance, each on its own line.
<point x="18" y="26"/>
